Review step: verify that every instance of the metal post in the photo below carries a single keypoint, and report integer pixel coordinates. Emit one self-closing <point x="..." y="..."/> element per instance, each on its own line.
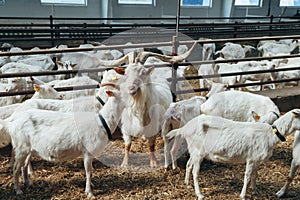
<point x="85" y="33"/>
<point x="178" y="17"/>
<point x="271" y="27"/>
<point x="51" y="30"/>
<point x="175" y="45"/>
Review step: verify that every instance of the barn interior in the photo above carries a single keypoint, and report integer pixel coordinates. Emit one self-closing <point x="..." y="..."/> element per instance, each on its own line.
<point x="64" y="27"/>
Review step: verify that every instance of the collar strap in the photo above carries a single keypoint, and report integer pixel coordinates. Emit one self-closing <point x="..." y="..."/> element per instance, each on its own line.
<point x="281" y="137"/>
<point x="100" y="100"/>
<point x="109" y="135"/>
<point x="275" y="114"/>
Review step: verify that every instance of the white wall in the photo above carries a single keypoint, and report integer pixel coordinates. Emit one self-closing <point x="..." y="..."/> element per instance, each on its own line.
<point x="110" y="8"/>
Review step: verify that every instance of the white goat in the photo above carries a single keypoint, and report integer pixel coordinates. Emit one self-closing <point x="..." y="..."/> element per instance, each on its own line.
<point x="206" y="69"/>
<point x="57" y="138"/>
<point x="178" y="114"/>
<point x="208" y="50"/>
<point x="41" y="92"/>
<point x="262" y="77"/>
<point x="294" y="165"/>
<point x="43" y="61"/>
<point x="167" y="50"/>
<point x="241" y="106"/>
<point x="146" y="102"/>
<point x="224" y="68"/>
<point x="273" y="49"/>
<point x="76" y="81"/>
<point x="234" y="51"/>
<point x="145" y="106"/>
<point x="228" y="141"/>
<point x="290" y="74"/>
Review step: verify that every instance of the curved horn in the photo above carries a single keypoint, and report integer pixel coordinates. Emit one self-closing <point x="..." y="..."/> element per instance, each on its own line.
<point x="113" y="63"/>
<point x="171" y="59"/>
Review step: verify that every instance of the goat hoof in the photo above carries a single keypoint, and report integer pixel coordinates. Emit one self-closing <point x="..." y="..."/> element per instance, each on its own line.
<point x="280" y="193"/>
<point x="19" y="192"/>
<point x="90" y="195"/>
<point x="28" y="183"/>
<point x="124" y="165"/>
<point x="153" y="164"/>
<point x="200" y="197"/>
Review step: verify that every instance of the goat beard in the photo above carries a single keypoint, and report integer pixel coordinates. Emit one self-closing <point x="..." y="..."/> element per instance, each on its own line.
<point x="139" y="107"/>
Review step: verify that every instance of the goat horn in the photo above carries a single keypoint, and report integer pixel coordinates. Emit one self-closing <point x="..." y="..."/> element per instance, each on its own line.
<point x="114" y="63"/>
<point x="171" y="59"/>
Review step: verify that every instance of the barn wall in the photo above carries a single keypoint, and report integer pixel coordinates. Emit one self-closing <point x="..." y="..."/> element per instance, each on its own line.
<point x="110" y="8"/>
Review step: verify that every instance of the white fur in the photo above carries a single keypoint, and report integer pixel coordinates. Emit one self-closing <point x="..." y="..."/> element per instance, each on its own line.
<point x="228" y="141"/>
<point x="146" y="102"/>
<point x="177" y="115"/>
<point x="55" y="137"/>
<point x="238" y="106"/>
<point x="274" y="49"/>
<point x="76" y="81"/>
<point x="234" y="51"/>
<point x="294" y="165"/>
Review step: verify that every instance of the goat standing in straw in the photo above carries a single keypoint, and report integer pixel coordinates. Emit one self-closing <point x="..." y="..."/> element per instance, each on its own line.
<point x="146" y="102"/>
<point x="228" y="141"/>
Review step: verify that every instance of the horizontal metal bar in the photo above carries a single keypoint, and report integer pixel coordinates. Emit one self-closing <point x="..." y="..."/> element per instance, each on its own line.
<point x="59" y="89"/>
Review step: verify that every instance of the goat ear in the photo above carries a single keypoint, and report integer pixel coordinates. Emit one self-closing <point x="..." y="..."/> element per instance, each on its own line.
<point x="255" y="116"/>
<point x="296" y="113"/>
<point x="36" y="87"/>
<point x="120" y="70"/>
<point x="110" y="93"/>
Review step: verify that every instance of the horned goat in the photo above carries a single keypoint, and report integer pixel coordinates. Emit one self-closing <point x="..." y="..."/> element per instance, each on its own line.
<point x="146" y="102"/>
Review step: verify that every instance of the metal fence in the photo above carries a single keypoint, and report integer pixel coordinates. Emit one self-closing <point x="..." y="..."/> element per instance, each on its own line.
<point x="174" y="79"/>
<point x="49" y="31"/>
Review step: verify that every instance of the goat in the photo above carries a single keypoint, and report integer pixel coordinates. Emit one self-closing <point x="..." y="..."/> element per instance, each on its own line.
<point x="241" y="106"/>
<point x="294" y="165"/>
<point x="273" y="49"/>
<point x="56" y="138"/>
<point x="234" y="51"/>
<point x="178" y="114"/>
<point x="228" y="141"/>
<point x="146" y="102"/>
<point x="41" y="92"/>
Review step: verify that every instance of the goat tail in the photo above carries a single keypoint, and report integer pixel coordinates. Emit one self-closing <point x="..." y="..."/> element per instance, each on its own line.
<point x="174" y="133"/>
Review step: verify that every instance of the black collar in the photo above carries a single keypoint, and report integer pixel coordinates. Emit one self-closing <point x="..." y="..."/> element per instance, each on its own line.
<point x="109" y="135"/>
<point x="100" y="100"/>
<point x="275" y="130"/>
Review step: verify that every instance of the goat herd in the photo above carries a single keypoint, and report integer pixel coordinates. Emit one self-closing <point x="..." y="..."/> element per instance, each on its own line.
<point x="225" y="126"/>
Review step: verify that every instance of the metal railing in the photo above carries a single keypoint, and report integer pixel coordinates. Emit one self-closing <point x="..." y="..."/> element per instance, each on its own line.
<point x="48" y="32"/>
<point x="174" y="79"/>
